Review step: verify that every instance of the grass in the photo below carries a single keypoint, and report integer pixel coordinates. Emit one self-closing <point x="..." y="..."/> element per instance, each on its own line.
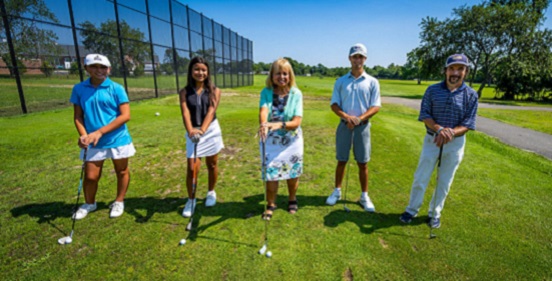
<point x="534" y="120"/>
<point x="495" y="224"/>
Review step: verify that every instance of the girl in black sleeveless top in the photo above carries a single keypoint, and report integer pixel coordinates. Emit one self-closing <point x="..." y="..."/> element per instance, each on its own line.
<point x="198" y="102"/>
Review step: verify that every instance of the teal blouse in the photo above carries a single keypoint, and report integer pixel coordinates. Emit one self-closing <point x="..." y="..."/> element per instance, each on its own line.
<point x="294" y="106"/>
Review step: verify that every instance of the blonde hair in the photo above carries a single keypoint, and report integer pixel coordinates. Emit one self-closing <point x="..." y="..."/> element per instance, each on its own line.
<point x="280" y="64"/>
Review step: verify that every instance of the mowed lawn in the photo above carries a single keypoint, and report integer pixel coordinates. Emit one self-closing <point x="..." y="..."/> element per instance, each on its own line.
<point x="495" y="224"/>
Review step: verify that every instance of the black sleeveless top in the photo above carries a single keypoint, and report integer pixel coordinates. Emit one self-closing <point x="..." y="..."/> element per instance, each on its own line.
<point x="198" y="106"/>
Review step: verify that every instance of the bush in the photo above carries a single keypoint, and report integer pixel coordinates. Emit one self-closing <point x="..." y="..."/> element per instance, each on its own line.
<point x="47" y="68"/>
<point x="74" y="68"/>
<point x="139" y="70"/>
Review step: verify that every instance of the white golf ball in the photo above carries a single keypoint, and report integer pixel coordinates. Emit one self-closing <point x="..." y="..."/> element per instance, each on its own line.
<point x="183" y="241"/>
<point x="157" y="114"/>
<point x="268" y="254"/>
<point x="68" y="240"/>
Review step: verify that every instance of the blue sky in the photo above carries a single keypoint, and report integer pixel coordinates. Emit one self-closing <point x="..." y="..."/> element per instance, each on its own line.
<point x="321" y="31"/>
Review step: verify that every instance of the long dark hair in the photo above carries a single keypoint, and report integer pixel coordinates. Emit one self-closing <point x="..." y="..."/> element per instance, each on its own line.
<point x="209" y="85"/>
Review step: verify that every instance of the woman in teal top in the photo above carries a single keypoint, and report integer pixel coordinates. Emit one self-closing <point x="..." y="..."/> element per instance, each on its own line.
<point x="280" y="116"/>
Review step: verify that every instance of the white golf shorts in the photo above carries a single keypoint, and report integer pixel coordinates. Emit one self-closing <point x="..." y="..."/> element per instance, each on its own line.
<point x="100" y="154"/>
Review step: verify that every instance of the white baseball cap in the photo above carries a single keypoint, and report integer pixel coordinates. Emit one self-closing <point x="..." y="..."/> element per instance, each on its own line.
<point x="358" y="49"/>
<point x="96" y="59"/>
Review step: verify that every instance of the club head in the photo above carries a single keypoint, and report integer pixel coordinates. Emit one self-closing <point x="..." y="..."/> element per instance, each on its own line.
<point x="65" y="240"/>
<point x="346" y="209"/>
<point x="189" y="226"/>
<point x="432" y="236"/>
<point x="262" y="250"/>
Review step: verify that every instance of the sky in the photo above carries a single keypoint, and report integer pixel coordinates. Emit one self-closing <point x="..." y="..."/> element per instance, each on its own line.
<point x="322" y="31"/>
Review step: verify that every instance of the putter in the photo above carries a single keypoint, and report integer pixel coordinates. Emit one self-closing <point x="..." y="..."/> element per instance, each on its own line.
<point x="69" y="239"/>
<point x="194" y="183"/>
<point x="265" y="245"/>
<point x="347" y="179"/>
<point x="431" y="234"/>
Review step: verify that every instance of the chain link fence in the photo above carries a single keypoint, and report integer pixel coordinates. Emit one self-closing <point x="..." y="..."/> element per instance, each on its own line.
<point x="149" y="43"/>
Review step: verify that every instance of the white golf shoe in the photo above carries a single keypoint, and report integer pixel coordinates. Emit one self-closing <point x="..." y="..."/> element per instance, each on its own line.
<point x="367" y="204"/>
<point x="187" y="212"/>
<point x="336" y="195"/>
<point x="83" y="210"/>
<point x="211" y="199"/>
<point x="117" y="209"/>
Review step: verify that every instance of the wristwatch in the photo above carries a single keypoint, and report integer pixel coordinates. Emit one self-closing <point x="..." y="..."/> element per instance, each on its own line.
<point x="284" y="125"/>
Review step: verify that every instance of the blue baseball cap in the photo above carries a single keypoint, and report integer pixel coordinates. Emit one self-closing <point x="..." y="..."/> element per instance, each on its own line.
<point x="457" y="59"/>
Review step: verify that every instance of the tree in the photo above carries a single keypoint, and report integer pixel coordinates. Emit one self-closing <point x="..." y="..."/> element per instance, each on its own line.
<point x="29" y="40"/>
<point x="135" y="53"/>
<point x="487" y="33"/>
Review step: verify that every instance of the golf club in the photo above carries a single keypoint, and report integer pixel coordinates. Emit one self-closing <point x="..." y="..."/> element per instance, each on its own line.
<point x="265" y="245"/>
<point x="194" y="182"/>
<point x="431" y="234"/>
<point x="347" y="179"/>
<point x="69" y="239"/>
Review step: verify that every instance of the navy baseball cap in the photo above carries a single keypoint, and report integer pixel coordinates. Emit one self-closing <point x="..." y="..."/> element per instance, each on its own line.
<point x="457" y="59"/>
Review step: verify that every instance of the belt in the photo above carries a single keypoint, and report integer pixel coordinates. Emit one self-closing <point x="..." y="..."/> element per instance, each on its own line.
<point x="361" y="123"/>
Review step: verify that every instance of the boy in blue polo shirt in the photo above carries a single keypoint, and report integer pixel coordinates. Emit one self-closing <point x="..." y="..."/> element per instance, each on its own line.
<point x="101" y="110"/>
<point x="355" y="99"/>
<point x="448" y="111"/>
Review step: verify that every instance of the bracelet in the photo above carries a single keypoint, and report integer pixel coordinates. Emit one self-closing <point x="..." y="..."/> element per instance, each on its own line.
<point x="440" y="129"/>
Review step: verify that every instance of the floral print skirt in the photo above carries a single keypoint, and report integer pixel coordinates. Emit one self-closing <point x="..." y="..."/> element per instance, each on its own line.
<point x="283" y="155"/>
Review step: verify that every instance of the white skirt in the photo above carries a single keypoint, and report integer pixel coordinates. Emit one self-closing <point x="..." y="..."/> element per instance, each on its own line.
<point x="284" y="154"/>
<point x="209" y="144"/>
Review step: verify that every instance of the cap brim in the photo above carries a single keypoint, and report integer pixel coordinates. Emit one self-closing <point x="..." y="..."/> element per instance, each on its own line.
<point x="357" y="53"/>
<point x="453" y="63"/>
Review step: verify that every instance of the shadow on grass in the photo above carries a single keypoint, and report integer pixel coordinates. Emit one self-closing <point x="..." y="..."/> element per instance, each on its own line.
<point x="369" y="223"/>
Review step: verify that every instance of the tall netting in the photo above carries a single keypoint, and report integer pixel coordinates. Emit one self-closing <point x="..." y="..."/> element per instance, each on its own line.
<point x="149" y="43"/>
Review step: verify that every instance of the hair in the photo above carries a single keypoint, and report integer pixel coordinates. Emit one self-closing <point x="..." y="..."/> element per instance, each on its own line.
<point x="280" y="64"/>
<point x="209" y="85"/>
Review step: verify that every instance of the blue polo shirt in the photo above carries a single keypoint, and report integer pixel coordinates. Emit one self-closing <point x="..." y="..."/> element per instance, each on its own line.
<point x="101" y="106"/>
<point x="356" y="95"/>
<point x="449" y="109"/>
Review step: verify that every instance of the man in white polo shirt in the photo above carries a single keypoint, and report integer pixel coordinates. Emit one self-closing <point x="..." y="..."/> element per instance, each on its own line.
<point x="355" y="99"/>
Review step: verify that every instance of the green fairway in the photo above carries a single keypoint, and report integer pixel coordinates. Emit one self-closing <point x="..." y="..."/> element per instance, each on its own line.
<point x="495" y="224"/>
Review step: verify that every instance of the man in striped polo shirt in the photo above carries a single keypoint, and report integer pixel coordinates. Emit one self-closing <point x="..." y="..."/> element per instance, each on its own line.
<point x="448" y="111"/>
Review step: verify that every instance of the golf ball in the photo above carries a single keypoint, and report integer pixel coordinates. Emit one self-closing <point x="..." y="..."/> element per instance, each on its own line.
<point x="268" y="254"/>
<point x="68" y="240"/>
<point x="183" y="241"/>
<point x="157" y="114"/>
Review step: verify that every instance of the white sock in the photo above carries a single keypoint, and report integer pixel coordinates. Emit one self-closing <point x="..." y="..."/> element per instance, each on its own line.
<point x="363" y="194"/>
<point x="338" y="189"/>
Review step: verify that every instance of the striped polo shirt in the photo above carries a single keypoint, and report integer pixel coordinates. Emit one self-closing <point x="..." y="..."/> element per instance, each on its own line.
<point x="449" y="109"/>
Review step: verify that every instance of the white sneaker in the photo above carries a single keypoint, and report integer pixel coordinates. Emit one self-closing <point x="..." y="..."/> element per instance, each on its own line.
<point x="83" y="210"/>
<point x="336" y="195"/>
<point x="117" y="209"/>
<point x="367" y="204"/>
<point x="211" y="199"/>
<point x="188" y="208"/>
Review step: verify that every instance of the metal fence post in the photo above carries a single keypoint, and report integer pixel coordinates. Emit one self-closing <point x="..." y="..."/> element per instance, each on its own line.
<point x="122" y="55"/>
<point x="13" y="57"/>
<point x="151" y="50"/>
<point x="75" y="41"/>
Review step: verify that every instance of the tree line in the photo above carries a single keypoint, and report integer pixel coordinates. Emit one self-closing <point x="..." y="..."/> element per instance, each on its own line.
<point x="504" y="40"/>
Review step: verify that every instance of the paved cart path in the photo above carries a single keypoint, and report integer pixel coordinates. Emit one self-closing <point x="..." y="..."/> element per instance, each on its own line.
<point x="522" y="138"/>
